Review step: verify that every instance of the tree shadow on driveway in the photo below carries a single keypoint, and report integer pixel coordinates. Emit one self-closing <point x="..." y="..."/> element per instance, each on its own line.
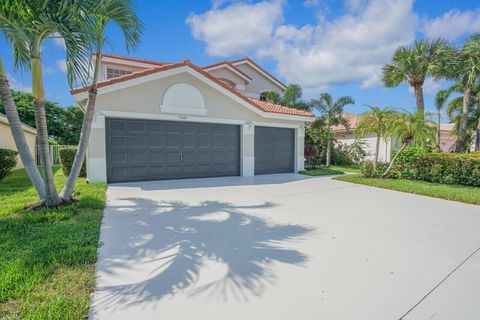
<point x="155" y="250"/>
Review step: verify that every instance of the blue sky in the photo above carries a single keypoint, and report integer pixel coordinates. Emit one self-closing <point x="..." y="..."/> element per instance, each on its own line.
<point x="325" y="45"/>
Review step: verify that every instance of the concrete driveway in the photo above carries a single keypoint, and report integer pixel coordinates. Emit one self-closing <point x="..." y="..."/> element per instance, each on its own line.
<point x="284" y="247"/>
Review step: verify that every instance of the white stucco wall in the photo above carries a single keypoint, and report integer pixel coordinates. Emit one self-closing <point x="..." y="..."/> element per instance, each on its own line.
<point x="371" y="140"/>
<point x="259" y="82"/>
<point x="144" y="101"/>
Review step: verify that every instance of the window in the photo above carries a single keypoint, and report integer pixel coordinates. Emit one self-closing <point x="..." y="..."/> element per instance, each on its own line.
<point x="114" y="73"/>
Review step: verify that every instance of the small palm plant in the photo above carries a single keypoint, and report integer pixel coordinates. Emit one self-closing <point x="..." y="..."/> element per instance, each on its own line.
<point x="426" y="58"/>
<point x="331" y="115"/>
<point x="375" y="121"/>
<point x="411" y="128"/>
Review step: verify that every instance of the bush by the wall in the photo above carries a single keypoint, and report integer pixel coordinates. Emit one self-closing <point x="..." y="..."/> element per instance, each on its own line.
<point x="67" y="155"/>
<point x="370" y="170"/>
<point x="449" y="168"/>
<point x="8" y="160"/>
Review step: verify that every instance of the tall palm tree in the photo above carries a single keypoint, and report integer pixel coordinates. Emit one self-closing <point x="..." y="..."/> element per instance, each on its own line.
<point x="411" y="128"/>
<point x="331" y="115"/>
<point x="440" y="99"/>
<point x="8" y="26"/>
<point x="375" y="121"/>
<point x="122" y="13"/>
<point x="36" y="21"/>
<point x="426" y="58"/>
<point x="465" y="69"/>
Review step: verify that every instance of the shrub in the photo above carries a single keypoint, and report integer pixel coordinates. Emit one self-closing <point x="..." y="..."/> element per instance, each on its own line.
<point x="449" y="168"/>
<point x="369" y="170"/>
<point x="8" y="161"/>
<point x="67" y="155"/>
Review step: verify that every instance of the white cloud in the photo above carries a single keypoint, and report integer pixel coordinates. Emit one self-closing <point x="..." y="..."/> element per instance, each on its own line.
<point x="62" y="65"/>
<point x="50" y="70"/>
<point x="453" y="24"/>
<point x="239" y="27"/>
<point x="311" y="3"/>
<point x="17" y="85"/>
<point x="347" y="49"/>
<point x="58" y="40"/>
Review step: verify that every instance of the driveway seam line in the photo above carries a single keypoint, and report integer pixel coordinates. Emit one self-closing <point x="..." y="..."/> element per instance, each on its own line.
<point x="440" y="283"/>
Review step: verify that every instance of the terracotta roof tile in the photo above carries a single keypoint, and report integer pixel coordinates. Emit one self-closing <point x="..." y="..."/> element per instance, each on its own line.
<point x="277" y="108"/>
<point x="155" y="62"/>
<point x="230" y="65"/>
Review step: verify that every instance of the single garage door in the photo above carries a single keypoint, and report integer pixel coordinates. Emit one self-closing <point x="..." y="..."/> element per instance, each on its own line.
<point x="274" y="150"/>
<point x="154" y="150"/>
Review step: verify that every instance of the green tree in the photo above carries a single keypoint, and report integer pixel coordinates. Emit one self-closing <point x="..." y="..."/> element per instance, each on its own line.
<point x="465" y="70"/>
<point x="331" y="114"/>
<point x="72" y="126"/>
<point x="426" y="58"/>
<point x="292" y="97"/>
<point x="122" y="14"/>
<point x="411" y="128"/>
<point x="377" y="121"/>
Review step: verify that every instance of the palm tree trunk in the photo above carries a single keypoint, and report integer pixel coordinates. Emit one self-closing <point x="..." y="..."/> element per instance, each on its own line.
<point x="419" y="98"/>
<point x="67" y="191"/>
<point x="19" y="136"/>
<point x="477" y="137"/>
<point x="460" y="145"/>
<point x="329" y="146"/>
<point x="51" y="197"/>
<point x="393" y="160"/>
<point x="377" y="149"/>
<point x="439" y="119"/>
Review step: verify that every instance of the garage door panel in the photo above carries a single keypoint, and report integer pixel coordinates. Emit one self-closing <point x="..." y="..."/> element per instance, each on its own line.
<point x="153" y="150"/>
<point x="274" y="150"/>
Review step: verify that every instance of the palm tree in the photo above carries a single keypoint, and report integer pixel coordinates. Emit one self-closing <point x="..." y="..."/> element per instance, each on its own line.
<point x="122" y="13"/>
<point x="465" y="69"/>
<point x="375" y="121"/>
<point x="455" y="112"/>
<point x="331" y="115"/>
<point x="426" y="58"/>
<point x="440" y="99"/>
<point x="291" y="97"/>
<point x="8" y="27"/>
<point x="411" y="128"/>
<point x="35" y="21"/>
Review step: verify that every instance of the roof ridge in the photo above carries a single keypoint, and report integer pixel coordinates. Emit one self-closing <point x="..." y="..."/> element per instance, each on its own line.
<point x="246" y="58"/>
<point x="148" y="61"/>
<point x="228" y="63"/>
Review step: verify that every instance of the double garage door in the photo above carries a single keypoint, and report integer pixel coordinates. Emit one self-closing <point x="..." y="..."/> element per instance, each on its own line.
<point x="155" y="150"/>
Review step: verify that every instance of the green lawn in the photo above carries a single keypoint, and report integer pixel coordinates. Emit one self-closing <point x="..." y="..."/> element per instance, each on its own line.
<point x="47" y="257"/>
<point x="436" y="190"/>
<point x="326" y="171"/>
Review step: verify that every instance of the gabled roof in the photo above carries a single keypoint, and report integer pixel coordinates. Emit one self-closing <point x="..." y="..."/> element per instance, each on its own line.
<point x="229" y="66"/>
<point x="262" y="106"/>
<point x="256" y="66"/>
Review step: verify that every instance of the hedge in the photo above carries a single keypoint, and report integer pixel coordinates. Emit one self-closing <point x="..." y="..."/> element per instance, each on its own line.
<point x="449" y="168"/>
<point x="67" y="155"/>
<point x="8" y="161"/>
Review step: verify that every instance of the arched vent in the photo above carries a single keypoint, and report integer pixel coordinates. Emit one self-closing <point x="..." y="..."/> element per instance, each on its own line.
<point x="183" y="98"/>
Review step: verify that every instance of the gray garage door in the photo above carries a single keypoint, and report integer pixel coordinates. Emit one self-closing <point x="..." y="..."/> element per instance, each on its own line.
<point x="155" y="150"/>
<point x="274" y="150"/>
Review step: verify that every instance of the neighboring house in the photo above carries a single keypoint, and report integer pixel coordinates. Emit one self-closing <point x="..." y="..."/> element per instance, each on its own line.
<point x="446" y="139"/>
<point x="347" y="137"/>
<point x="7" y="142"/>
<point x="156" y="120"/>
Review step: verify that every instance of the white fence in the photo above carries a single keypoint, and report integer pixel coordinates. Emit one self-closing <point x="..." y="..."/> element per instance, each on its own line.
<point x="54" y="154"/>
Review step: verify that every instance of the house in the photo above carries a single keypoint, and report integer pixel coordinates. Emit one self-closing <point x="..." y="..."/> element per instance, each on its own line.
<point x="386" y="147"/>
<point x="7" y="142"/>
<point x="157" y="120"/>
<point x="346" y="136"/>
